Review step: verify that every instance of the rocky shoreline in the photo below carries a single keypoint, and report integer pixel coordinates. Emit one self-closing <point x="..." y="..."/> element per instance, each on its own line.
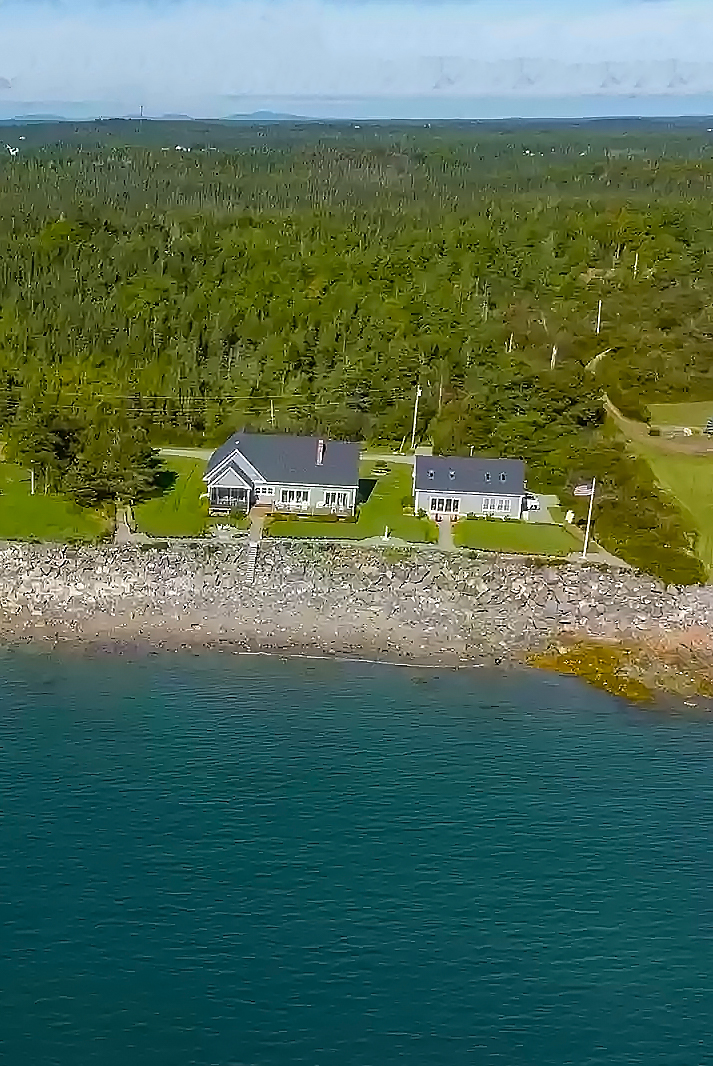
<point x="399" y="605"/>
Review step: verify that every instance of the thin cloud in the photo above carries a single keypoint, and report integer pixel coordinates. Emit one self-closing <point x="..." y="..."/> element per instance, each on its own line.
<point x="179" y="55"/>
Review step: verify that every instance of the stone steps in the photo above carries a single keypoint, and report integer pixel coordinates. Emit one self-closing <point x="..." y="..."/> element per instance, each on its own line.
<point x="251" y="562"/>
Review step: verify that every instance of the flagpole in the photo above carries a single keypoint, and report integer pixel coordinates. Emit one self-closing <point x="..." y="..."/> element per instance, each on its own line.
<point x="589" y="519"/>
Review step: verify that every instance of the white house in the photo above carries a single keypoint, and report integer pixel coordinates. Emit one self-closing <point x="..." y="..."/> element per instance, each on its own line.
<point x="309" y="475"/>
<point x="450" y="487"/>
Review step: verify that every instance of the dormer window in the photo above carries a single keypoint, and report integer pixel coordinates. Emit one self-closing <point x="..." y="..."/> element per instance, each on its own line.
<point x="487" y="475"/>
<point x="430" y="475"/>
<point x="452" y="475"/>
<point x="503" y="475"/>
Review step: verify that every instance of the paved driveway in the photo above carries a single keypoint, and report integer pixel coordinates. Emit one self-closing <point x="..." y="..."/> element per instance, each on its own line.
<point x="543" y="515"/>
<point x="188" y="453"/>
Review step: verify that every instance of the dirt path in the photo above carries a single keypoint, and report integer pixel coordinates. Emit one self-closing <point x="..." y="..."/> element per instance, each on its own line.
<point x="639" y="432"/>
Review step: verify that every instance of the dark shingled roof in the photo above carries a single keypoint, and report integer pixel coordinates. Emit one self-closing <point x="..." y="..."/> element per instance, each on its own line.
<point x="290" y="460"/>
<point x="458" y="474"/>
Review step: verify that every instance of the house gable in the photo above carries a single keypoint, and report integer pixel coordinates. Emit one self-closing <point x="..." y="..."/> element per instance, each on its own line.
<point x="279" y="459"/>
<point x="229" y="477"/>
<point x="235" y="460"/>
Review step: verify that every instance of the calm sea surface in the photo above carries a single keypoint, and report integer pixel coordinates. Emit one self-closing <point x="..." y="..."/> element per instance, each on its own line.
<point x="225" y="860"/>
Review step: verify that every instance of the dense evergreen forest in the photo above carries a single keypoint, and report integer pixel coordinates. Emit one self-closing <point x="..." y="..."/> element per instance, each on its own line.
<point x="309" y="276"/>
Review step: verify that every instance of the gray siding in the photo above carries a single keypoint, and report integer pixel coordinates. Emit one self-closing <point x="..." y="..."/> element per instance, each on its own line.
<point x="471" y="503"/>
<point x="230" y="478"/>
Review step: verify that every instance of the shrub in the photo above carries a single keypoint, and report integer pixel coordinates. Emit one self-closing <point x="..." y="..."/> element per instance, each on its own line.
<point x="629" y="403"/>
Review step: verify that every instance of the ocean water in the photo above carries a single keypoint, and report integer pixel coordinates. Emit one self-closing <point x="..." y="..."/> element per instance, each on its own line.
<point x="231" y="860"/>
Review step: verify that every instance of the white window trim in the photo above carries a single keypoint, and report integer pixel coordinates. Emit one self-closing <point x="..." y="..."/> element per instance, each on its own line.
<point x="298" y="496"/>
<point x="497" y="505"/>
<point x="337" y="498"/>
<point x="438" y="504"/>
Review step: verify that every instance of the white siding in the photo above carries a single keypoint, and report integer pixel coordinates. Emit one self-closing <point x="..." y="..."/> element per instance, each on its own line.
<point x="317" y="497"/>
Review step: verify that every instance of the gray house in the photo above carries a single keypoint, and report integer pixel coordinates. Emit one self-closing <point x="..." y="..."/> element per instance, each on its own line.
<point x="309" y="475"/>
<point x="450" y="487"/>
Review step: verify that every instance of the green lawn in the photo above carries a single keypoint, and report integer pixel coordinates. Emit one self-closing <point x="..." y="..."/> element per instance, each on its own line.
<point x="694" y="414"/>
<point x="383" y="508"/>
<point x="42" y="517"/>
<point x="516" y="537"/>
<point x="689" y="479"/>
<point x="179" y="511"/>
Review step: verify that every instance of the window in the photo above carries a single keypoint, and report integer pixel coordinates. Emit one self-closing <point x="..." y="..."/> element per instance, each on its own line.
<point x="496" y="504"/>
<point x="340" y="500"/>
<point x="234" y="497"/>
<point x="294" y="496"/>
<point x="266" y="490"/>
<point x="452" y="475"/>
<point x="430" y="475"/>
<point x="447" y="504"/>
<point x="487" y="475"/>
<point x="503" y="475"/>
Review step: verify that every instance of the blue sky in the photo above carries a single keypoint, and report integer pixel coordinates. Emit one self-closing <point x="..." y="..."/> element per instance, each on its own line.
<point x="209" y="57"/>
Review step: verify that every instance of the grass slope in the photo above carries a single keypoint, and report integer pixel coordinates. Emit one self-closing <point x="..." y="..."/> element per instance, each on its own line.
<point x="689" y="479"/>
<point x="694" y="414"/>
<point x="516" y="537"/>
<point x="179" y="510"/>
<point x="42" y="517"/>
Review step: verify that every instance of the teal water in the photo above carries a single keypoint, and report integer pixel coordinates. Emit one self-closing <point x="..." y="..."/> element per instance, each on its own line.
<point x="226" y="860"/>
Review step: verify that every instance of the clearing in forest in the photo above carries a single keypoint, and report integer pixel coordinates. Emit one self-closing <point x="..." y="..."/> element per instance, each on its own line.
<point x="694" y="414"/>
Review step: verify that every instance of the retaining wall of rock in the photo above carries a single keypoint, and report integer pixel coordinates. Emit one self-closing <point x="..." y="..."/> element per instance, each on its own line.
<point x="417" y="602"/>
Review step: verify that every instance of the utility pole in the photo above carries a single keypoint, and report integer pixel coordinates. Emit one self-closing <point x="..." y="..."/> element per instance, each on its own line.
<point x="599" y="316"/>
<point x="419" y="390"/>
<point x="636" y="265"/>
<point x="272" y="412"/>
<point x="32" y="481"/>
<point x="553" y="360"/>
<point x="509" y="345"/>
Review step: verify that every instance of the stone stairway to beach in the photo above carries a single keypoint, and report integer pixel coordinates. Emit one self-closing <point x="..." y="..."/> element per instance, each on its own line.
<point x="251" y="562"/>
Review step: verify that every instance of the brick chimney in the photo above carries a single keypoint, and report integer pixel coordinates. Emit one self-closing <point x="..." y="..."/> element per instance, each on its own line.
<point x="321" y="449"/>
